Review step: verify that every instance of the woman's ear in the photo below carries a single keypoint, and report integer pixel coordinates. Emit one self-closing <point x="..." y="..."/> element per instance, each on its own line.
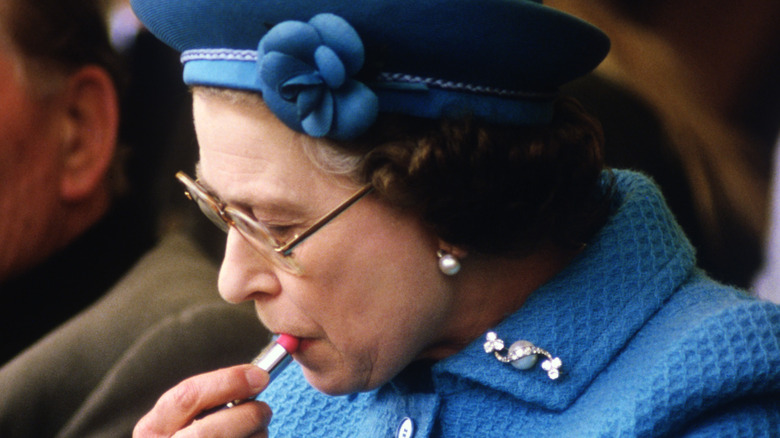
<point x="456" y="251"/>
<point x="91" y="124"/>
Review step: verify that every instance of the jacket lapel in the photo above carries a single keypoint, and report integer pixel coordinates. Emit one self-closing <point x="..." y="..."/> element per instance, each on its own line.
<point x="588" y="312"/>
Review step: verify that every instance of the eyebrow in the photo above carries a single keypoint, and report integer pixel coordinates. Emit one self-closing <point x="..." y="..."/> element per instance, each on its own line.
<point x="287" y="209"/>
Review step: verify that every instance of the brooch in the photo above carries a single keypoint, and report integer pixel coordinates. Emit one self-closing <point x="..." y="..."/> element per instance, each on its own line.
<point x="522" y="355"/>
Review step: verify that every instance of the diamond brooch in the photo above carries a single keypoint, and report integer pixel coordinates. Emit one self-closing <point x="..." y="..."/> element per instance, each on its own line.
<point x="522" y="355"/>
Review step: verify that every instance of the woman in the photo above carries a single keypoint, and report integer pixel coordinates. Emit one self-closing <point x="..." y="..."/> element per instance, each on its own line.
<point x="470" y="209"/>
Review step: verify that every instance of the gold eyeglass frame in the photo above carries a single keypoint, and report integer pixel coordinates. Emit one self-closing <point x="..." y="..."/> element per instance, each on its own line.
<point x="256" y="232"/>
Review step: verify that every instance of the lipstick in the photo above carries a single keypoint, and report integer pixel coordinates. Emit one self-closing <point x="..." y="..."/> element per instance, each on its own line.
<point x="276" y="355"/>
<point x="272" y="359"/>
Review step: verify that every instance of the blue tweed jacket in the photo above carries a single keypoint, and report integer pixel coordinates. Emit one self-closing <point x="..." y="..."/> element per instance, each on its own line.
<point x="650" y="347"/>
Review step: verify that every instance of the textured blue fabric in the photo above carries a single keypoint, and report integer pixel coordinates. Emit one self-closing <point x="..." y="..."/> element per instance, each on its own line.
<point x="500" y="60"/>
<point x="650" y="347"/>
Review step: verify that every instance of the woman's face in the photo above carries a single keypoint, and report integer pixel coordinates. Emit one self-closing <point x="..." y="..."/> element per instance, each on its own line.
<point x="371" y="298"/>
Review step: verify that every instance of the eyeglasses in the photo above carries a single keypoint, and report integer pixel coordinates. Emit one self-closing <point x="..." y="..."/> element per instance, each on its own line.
<point x="255" y="232"/>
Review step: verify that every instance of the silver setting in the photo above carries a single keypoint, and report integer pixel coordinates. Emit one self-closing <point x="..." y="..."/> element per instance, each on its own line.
<point x="522" y="355"/>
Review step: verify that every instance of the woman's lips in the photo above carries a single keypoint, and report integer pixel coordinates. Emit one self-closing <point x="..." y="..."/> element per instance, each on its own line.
<point x="290" y="339"/>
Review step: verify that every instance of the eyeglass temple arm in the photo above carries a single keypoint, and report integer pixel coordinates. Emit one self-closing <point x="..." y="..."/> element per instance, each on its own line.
<point x="289" y="246"/>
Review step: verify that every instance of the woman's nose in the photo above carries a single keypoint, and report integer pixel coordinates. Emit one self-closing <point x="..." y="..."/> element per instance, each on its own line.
<point x="245" y="273"/>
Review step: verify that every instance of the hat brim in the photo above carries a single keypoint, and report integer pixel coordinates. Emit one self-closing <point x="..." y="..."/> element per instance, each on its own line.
<point x="520" y="42"/>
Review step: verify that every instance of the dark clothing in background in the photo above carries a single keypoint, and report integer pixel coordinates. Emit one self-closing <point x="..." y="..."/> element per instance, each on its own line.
<point x="41" y="299"/>
<point x="98" y="373"/>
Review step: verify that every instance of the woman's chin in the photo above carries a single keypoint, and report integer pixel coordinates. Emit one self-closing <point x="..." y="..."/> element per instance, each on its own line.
<point x="328" y="371"/>
<point x="332" y="382"/>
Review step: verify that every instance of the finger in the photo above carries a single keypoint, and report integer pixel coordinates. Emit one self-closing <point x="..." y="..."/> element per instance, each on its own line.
<point x="246" y="420"/>
<point x="179" y="405"/>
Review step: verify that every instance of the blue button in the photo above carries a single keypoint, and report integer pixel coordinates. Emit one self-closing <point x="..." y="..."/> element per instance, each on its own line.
<point x="406" y="429"/>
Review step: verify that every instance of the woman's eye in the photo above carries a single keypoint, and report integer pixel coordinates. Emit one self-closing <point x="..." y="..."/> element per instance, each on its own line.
<point x="281" y="232"/>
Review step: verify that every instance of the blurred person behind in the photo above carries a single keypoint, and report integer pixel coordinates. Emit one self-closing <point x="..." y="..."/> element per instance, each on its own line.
<point x="61" y="193"/>
<point x="98" y="316"/>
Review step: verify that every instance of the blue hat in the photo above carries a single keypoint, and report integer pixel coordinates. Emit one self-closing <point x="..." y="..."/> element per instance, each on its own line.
<point x="327" y="67"/>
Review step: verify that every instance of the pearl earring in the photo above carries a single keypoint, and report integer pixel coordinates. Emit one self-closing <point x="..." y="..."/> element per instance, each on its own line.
<point x="448" y="263"/>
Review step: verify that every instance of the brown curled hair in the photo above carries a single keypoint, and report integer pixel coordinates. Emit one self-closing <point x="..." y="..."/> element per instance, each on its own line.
<point x="492" y="189"/>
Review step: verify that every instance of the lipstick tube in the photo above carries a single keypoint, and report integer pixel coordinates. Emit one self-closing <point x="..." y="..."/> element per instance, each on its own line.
<point x="273" y="359"/>
<point x="276" y="355"/>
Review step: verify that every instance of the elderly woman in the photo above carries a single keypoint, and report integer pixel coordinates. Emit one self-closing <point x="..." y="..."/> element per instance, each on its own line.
<point x="405" y="193"/>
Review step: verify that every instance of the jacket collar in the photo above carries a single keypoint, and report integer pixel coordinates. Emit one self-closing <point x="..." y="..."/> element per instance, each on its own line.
<point x="589" y="311"/>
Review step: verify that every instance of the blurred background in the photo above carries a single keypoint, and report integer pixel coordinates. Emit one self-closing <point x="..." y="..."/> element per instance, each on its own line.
<point x="707" y="72"/>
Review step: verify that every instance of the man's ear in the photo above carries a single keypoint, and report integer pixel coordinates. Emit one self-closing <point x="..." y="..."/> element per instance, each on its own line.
<point x="91" y="124"/>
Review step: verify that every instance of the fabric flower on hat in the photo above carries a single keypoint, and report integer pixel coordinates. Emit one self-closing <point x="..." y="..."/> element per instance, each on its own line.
<point x="306" y="72"/>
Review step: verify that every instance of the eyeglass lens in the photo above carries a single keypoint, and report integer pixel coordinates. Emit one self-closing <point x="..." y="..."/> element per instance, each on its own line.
<point x="254" y="232"/>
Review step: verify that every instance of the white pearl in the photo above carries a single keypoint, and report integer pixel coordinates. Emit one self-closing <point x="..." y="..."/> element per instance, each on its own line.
<point x="524" y="362"/>
<point x="449" y="265"/>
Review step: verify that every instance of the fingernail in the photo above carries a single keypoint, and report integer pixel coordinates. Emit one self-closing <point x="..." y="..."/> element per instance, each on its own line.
<point x="256" y="378"/>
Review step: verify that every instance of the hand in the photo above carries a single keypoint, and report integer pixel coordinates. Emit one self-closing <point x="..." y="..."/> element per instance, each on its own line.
<point x="176" y="411"/>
